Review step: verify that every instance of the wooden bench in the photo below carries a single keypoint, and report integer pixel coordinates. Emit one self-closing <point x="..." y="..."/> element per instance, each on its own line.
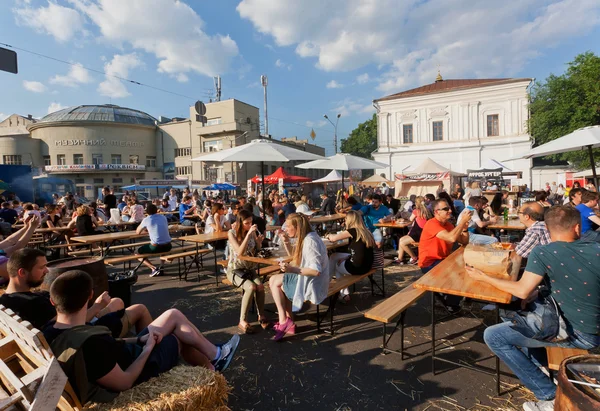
<point x="335" y="286"/>
<point x="183" y="255"/>
<point x="556" y="355"/>
<point x="389" y="309"/>
<point x="132" y="257"/>
<point x="264" y="271"/>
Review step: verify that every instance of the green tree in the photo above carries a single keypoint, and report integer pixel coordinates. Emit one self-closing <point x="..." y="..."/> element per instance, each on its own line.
<point x="362" y="141"/>
<point x="562" y="104"/>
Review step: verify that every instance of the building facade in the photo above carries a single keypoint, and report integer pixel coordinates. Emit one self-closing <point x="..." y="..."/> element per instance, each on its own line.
<point x="460" y="124"/>
<point x="99" y="145"/>
<point x="230" y="123"/>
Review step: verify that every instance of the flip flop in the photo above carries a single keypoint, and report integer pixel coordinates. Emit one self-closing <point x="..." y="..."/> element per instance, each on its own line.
<point x="246" y="330"/>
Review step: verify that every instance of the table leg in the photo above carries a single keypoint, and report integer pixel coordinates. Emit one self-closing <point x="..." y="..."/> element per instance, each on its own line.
<point x="216" y="265"/>
<point x="497" y="358"/>
<point x="433" y="333"/>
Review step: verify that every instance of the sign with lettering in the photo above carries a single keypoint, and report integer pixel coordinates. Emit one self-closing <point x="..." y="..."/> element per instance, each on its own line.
<point x="424" y="177"/>
<point x="99" y="142"/>
<point x="92" y="167"/>
<point x="484" y="173"/>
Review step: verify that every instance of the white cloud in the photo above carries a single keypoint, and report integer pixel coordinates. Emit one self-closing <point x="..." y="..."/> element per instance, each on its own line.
<point x="77" y="75"/>
<point x="63" y="23"/>
<point x="349" y="106"/>
<point x="34" y="86"/>
<point x="316" y="124"/>
<point x="356" y="33"/>
<point x="119" y="66"/>
<point x="334" y="84"/>
<point x="171" y="30"/>
<point x="54" y="106"/>
<point x="363" y="78"/>
<point x="282" y="65"/>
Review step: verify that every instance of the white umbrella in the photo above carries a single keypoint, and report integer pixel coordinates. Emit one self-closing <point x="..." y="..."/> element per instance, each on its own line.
<point x="586" y="137"/>
<point x="343" y="162"/>
<point x="333" y="177"/>
<point x="261" y="151"/>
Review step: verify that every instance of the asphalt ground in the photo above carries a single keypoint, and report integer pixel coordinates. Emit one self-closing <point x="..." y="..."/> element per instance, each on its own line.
<point x="347" y="371"/>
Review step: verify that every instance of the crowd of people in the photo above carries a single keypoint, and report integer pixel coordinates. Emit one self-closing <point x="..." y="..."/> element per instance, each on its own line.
<point x="560" y="241"/>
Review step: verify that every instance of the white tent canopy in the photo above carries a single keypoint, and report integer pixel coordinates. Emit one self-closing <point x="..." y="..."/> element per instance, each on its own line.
<point x="333" y="177"/>
<point x="577" y="140"/>
<point x="376" y="179"/>
<point x="584" y="173"/>
<point x="260" y="150"/>
<point x="492" y="164"/>
<point x="428" y="166"/>
<point x="343" y="162"/>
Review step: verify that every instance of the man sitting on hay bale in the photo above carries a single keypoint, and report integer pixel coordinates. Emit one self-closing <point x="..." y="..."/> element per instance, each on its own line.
<point x="99" y="367"/>
<point x="27" y="269"/>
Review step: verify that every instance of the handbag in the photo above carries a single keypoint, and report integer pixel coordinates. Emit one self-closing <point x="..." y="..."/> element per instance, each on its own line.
<point x="243" y="273"/>
<point x="543" y="320"/>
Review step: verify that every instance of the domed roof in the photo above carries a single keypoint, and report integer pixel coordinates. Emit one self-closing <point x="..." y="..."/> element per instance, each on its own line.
<point x="103" y="113"/>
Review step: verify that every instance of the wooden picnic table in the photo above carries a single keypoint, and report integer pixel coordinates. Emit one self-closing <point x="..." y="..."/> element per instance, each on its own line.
<point x="327" y="219"/>
<point x="394" y="224"/>
<point x="513" y="224"/>
<point x="450" y="277"/>
<point x="281" y="254"/>
<point x="107" y="238"/>
<point x="207" y="239"/>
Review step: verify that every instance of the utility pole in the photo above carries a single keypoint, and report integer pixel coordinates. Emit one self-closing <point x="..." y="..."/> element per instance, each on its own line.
<point x="335" y="147"/>
<point x="264" y="81"/>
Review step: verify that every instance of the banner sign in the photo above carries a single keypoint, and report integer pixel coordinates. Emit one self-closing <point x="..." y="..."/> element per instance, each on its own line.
<point x="92" y="167"/>
<point x="424" y="177"/>
<point x="485" y="173"/>
<point x="155" y="182"/>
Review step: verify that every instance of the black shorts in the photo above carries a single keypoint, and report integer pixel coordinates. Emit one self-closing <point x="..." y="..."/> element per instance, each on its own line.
<point x="163" y="357"/>
<point x="114" y="322"/>
<point x="152" y="249"/>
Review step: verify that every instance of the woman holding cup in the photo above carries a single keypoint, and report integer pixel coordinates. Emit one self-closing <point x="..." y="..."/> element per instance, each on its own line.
<point x="244" y="239"/>
<point x="304" y="278"/>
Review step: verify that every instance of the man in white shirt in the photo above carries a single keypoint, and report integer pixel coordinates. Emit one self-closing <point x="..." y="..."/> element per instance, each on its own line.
<point x="173" y="199"/>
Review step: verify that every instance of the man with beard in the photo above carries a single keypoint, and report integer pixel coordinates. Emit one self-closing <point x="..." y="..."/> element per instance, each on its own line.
<point x="27" y="269"/>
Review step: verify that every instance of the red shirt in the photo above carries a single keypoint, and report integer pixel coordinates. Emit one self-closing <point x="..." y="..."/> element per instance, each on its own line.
<point x="431" y="248"/>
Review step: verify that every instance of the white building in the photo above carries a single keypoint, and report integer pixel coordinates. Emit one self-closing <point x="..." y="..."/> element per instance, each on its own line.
<point x="460" y="124"/>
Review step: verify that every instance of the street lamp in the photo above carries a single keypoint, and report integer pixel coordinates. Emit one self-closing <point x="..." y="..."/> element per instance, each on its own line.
<point x="335" y="130"/>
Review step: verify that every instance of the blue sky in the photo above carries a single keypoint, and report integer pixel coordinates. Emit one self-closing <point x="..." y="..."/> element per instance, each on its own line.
<point x="321" y="56"/>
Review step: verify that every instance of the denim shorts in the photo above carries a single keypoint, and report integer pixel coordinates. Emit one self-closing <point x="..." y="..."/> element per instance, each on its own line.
<point x="290" y="280"/>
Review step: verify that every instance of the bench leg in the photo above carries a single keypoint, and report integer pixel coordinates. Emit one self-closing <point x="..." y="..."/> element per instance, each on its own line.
<point x="432" y="332"/>
<point x="386" y="339"/>
<point x="374" y="284"/>
<point x="382" y="282"/>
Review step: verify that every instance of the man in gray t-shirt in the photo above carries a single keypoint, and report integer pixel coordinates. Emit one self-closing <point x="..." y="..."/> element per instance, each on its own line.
<point x="160" y="239"/>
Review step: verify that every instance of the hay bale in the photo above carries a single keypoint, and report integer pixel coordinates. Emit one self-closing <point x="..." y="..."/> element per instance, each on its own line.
<point x="183" y="388"/>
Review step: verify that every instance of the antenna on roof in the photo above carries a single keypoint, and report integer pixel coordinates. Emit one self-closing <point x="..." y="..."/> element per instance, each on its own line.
<point x="217" y="88"/>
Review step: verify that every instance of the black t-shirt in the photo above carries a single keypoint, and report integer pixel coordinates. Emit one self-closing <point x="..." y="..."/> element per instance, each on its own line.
<point x="361" y="257"/>
<point x="461" y="193"/>
<point x="110" y="201"/>
<point x="55" y="219"/>
<point x="34" y="307"/>
<point x="9" y="215"/>
<point x="84" y="225"/>
<point x="100" y="352"/>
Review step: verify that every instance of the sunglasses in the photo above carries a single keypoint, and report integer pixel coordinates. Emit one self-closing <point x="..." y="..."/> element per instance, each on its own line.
<point x="443" y="209"/>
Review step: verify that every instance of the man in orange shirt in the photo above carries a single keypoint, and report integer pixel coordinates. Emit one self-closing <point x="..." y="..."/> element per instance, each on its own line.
<point x="437" y="241"/>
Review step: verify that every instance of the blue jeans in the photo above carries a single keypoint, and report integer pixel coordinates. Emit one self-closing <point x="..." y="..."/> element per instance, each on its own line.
<point x="525" y="355"/>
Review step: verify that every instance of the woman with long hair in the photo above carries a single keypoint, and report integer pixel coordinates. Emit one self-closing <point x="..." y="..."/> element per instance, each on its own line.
<point x="496" y="206"/>
<point x="84" y="221"/>
<point x="473" y="191"/>
<point x="361" y="246"/>
<point x="216" y="221"/>
<point x="246" y="240"/>
<point x="540" y="198"/>
<point x="304" y="278"/>
<point x="419" y="217"/>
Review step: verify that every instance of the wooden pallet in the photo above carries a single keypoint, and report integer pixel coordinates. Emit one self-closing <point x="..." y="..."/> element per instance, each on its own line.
<point x="30" y="377"/>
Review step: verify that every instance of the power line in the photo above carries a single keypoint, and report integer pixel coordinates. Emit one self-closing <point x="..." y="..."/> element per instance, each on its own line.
<point x="138" y="83"/>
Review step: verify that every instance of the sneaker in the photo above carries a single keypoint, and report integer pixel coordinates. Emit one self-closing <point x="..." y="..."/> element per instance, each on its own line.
<point x="289" y="327"/>
<point x="488" y="307"/>
<point x="156" y="272"/>
<point x="539" y="406"/>
<point x="227" y="353"/>
<point x="413" y="261"/>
